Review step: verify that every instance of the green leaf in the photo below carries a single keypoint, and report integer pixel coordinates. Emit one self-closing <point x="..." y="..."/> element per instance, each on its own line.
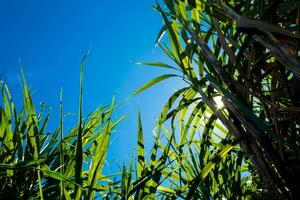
<point x="157" y="64"/>
<point x="160" y="35"/>
<point x="140" y="146"/>
<point x="78" y="162"/>
<point x="153" y="82"/>
<point x="207" y="169"/>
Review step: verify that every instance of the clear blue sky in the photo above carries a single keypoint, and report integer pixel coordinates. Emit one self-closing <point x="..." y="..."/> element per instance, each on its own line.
<point x="51" y="37"/>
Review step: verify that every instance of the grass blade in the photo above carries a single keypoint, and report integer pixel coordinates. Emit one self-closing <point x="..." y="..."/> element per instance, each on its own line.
<point x="153" y="82"/>
<point x="78" y="163"/>
<point x="141" y="152"/>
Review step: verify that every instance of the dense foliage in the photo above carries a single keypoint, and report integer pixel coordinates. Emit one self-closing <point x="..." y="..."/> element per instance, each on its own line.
<point x="231" y="133"/>
<point x="247" y="53"/>
<point x="39" y="164"/>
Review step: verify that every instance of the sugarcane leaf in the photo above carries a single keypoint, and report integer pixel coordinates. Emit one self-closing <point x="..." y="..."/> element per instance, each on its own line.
<point x="153" y="82"/>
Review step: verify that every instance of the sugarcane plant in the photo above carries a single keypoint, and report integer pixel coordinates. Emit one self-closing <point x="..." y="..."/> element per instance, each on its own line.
<point x="194" y="158"/>
<point x="37" y="164"/>
<point x="232" y="132"/>
<point x="240" y="62"/>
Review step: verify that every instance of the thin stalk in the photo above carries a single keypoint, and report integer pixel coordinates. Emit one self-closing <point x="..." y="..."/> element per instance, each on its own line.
<point x="40" y="184"/>
<point x="61" y="145"/>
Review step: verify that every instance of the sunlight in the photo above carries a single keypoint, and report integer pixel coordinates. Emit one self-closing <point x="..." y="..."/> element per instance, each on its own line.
<point x="219" y="102"/>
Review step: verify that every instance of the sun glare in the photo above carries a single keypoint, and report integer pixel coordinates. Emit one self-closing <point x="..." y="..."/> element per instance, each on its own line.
<point x="219" y="102"/>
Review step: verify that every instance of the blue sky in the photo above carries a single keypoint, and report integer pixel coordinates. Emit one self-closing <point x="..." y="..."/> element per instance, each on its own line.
<point x="51" y="37"/>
